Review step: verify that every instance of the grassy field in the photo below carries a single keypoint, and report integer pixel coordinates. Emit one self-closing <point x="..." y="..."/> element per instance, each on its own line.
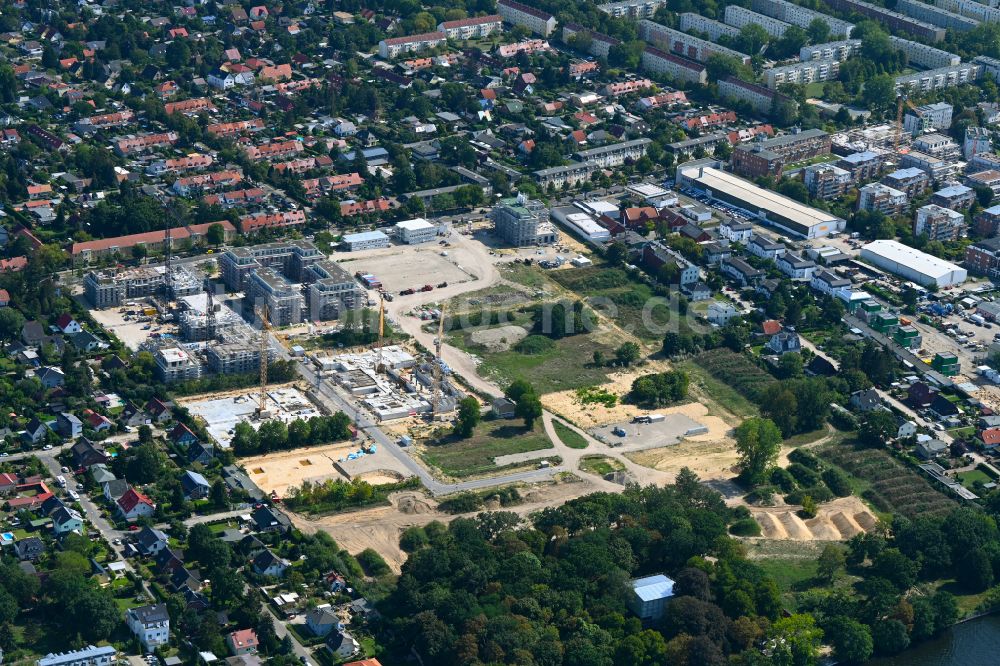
<point x="600" y="465"/>
<point x="567" y="365"/>
<point x="970" y="477"/>
<point x="614" y="294"/>
<point x="725" y="395"/>
<point x="570" y="438"/>
<point x="467" y="457"/>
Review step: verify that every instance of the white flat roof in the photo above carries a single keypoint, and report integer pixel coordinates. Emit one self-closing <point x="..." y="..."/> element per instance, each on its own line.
<point x="417" y="224"/>
<point x="363" y="236"/>
<point x="766" y="200"/>
<point x="912" y="258"/>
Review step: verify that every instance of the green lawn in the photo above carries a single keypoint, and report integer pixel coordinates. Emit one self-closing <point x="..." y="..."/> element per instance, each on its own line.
<point x="570" y="438"/>
<point x="567" y="365"/>
<point x="491" y="439"/>
<point x="970" y="477"/>
<point x="725" y="395"/>
<point x="600" y="465"/>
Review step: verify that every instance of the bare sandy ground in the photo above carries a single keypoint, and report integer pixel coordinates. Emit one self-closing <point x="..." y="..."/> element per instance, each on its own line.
<point x="379" y="528"/>
<point x="281" y="471"/>
<point x="569" y="406"/>
<point x="835" y="521"/>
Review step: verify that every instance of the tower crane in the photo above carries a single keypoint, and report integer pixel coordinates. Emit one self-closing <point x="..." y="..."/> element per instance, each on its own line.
<point x="210" y="330"/>
<point x="381" y="331"/>
<point x="438" y="388"/>
<point x="265" y="343"/>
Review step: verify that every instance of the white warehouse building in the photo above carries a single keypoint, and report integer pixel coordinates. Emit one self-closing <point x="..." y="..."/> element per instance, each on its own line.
<point x="415" y="231"/>
<point x="912" y="264"/>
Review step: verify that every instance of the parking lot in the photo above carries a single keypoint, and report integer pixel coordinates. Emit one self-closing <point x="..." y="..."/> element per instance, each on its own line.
<point x="640" y="436"/>
<point x="132" y="331"/>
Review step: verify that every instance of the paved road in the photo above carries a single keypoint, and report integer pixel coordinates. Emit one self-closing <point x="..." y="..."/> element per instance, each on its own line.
<point x="281" y="630"/>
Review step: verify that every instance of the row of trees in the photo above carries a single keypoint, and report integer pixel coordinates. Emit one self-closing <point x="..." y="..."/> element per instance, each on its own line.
<point x="275" y="435"/>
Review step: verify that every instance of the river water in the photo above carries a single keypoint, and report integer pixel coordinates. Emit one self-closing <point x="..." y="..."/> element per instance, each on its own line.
<point x="973" y="643"/>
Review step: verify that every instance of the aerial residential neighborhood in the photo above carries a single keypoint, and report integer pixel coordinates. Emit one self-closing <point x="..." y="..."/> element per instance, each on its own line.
<point x="499" y="332"/>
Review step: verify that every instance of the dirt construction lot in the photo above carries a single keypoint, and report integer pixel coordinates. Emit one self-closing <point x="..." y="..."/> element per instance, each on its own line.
<point x="404" y="267"/>
<point x="837" y="520"/>
<point x="280" y="471"/>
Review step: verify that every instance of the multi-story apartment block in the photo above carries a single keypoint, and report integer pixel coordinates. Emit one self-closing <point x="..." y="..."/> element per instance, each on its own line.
<point x="331" y="291"/>
<point x="108" y="289"/>
<point x="977" y="140"/>
<point x="760" y="98"/>
<point x="955" y="197"/>
<point x="983" y="162"/>
<point x="88" y="656"/>
<point x="924" y="55"/>
<point x="789" y="12"/>
<point x="936" y="16"/>
<point x="895" y="21"/>
<point x="655" y="61"/>
<point x="233" y="358"/>
<point x="523" y="222"/>
<point x="274" y="150"/>
<point x="989" y="66"/>
<point x="150" y="624"/>
<point x="826" y="181"/>
<point x="252" y="223"/>
<point x="795" y="267"/>
<point x="937" y="145"/>
<point x="535" y="20"/>
<point x="862" y="166"/>
<point x="633" y="9"/>
<point x="985" y="12"/>
<point x="568" y="174"/>
<point x="615" y="154"/>
<point x="769" y="156"/>
<point x="683" y="44"/>
<point x="881" y="198"/>
<point x="738" y="17"/>
<point x="840" y="50"/>
<point x="472" y="28"/>
<point x="989" y="178"/>
<point x="939" y="79"/>
<point x="619" y="88"/>
<point x="291" y="258"/>
<point x="390" y="48"/>
<point x="691" y="22"/>
<point x="939" y="223"/>
<point x="803" y="73"/>
<point x="911" y="180"/>
<point x="935" y="167"/>
<point x="928" y="117"/>
<point x="599" y="44"/>
<point x="983" y="257"/>
<point x="174" y="364"/>
<point x="987" y="222"/>
<point x="283" y="298"/>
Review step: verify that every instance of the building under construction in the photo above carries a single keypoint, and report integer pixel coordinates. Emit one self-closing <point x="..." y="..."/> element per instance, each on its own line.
<point x="111" y="288"/>
<point x="293" y="279"/>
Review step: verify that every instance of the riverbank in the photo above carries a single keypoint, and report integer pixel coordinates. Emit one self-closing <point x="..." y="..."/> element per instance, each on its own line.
<point x="969" y="643"/>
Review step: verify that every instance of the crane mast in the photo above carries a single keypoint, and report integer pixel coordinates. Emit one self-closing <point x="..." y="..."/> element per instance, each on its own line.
<point x="438" y="388"/>
<point x="265" y="330"/>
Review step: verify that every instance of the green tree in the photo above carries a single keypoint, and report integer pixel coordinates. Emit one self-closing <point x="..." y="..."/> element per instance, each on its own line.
<point x="468" y="417"/>
<point x="758" y="442"/>
<point x="796" y="640"/>
<point x="144" y="464"/>
<point x="831" y="561"/>
<point x="879" y="94"/>
<point x="628" y="353"/>
<point x="890" y="637"/>
<point x="215" y="234"/>
<point x="218" y="495"/>
<point x="529" y="408"/>
<point x="616" y="254"/>
<point x="851" y="640"/>
<point x="818" y="31"/>
<point x="877" y="428"/>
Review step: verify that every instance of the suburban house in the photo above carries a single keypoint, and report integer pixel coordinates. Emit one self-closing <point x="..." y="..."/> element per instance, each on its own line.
<point x="194" y="485"/>
<point x="150" y="624"/>
<point x="87" y="453"/>
<point x="268" y="519"/>
<point x="784" y="342"/>
<point x="321" y="621"/>
<point x="69" y="425"/>
<point x="269" y="564"/>
<point x="134" y="505"/>
<point x="150" y="541"/>
<point x="866" y="400"/>
<point x="243" y="641"/>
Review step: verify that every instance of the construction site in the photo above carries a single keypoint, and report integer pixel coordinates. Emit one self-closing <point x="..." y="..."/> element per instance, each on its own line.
<point x="222" y="411"/>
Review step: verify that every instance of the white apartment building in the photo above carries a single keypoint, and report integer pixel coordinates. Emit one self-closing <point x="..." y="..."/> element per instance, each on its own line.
<point x="759" y="97"/>
<point x="471" y="28"/>
<point x="924" y="55"/>
<point x="977" y="140"/>
<point x="881" y="198"/>
<point x="986" y="13"/>
<point x="704" y="25"/>
<point x="840" y="50"/>
<point x="615" y="154"/>
<point x="936" y="16"/>
<point x="633" y="9"/>
<point x="789" y="12"/>
<point x="928" y="117"/>
<point x="826" y="181"/>
<point x="150" y="624"/>
<point x="937" y="145"/>
<point x="738" y="17"/>
<point x="173" y="364"/>
<point x="683" y="44"/>
<point x="415" y="231"/>
<point x="803" y="72"/>
<point x="535" y="20"/>
<point x="390" y="48"/>
<point x="655" y="61"/>
<point x="939" y="79"/>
